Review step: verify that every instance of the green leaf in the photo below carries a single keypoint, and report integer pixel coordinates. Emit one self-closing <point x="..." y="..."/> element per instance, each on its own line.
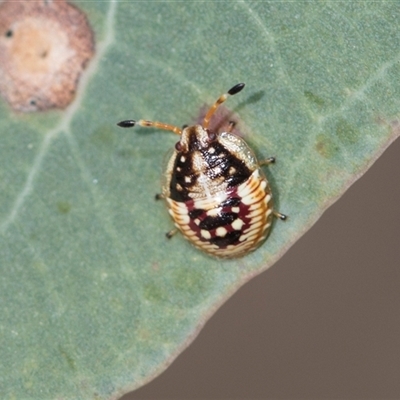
<point x="94" y="300"/>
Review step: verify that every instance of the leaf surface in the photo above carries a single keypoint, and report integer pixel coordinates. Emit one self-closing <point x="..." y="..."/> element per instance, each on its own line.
<point x="94" y="300"/>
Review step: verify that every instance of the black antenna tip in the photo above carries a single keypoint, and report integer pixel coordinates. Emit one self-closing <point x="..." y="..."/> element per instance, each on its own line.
<point x="236" y="89"/>
<point x="127" y="124"/>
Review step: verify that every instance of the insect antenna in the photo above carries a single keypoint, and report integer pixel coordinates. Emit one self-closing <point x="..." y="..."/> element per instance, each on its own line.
<point x="236" y="89"/>
<point x="129" y="123"/>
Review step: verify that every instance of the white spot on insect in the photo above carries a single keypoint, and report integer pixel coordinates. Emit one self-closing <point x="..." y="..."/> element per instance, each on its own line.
<point x="248" y="236"/>
<point x="231" y="170"/>
<point x="209" y="203"/>
<point x="184" y="219"/>
<point x="244" y="189"/>
<point x="221" y="231"/>
<point x="255" y="213"/>
<point x="205" y="234"/>
<point x="211" y="150"/>
<point x="179" y="169"/>
<point x="217" y="170"/>
<point x="214" y="212"/>
<point x="197" y="221"/>
<point x="237" y="224"/>
<point x="180" y="207"/>
<point x="252" y="227"/>
<point x="267" y="225"/>
<point x="188" y="232"/>
<point x="235" y="210"/>
<point x="249" y="199"/>
<point x="254" y="220"/>
<point x="267" y="198"/>
<point x="263" y="185"/>
<point x="187" y="179"/>
<point x="242" y="238"/>
<point x="183" y="158"/>
<point x="178" y="187"/>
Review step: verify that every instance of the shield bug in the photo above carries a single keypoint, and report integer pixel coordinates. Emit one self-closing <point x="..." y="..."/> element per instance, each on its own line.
<point x="214" y="187"/>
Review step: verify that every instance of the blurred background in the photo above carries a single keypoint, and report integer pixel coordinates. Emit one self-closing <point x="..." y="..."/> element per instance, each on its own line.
<point x="323" y="322"/>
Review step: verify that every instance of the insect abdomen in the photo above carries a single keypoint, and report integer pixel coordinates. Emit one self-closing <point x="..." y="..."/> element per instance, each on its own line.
<point x="229" y="224"/>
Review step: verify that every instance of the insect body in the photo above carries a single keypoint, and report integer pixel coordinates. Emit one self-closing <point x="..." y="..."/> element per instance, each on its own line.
<point x="215" y="189"/>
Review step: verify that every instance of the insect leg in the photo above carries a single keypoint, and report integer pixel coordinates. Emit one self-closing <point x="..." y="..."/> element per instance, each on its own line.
<point x="171" y="233"/>
<point x="236" y="89"/>
<point x="268" y="161"/>
<point x="282" y="217"/>
<point x="143" y="122"/>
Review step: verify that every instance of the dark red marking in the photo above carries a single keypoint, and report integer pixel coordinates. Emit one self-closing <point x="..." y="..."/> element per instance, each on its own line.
<point x="224" y="219"/>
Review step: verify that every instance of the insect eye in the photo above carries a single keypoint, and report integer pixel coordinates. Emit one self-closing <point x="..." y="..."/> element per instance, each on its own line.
<point x="212" y="136"/>
<point x="178" y="146"/>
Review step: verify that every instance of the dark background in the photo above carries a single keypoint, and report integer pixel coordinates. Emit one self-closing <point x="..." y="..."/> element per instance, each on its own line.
<point x="323" y="322"/>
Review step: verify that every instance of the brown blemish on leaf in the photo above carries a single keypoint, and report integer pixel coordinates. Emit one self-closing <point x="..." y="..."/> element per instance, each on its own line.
<point x="313" y="98"/>
<point x="63" y="207"/>
<point x="44" y="47"/>
<point x="324" y="146"/>
<point x="320" y="146"/>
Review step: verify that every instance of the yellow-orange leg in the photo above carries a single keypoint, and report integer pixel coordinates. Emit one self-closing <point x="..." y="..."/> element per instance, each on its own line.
<point x="268" y="161"/>
<point x="236" y="89"/>
<point x="143" y="122"/>
<point x="276" y="214"/>
<point x="282" y="217"/>
<point x="174" y="231"/>
<point x="171" y="233"/>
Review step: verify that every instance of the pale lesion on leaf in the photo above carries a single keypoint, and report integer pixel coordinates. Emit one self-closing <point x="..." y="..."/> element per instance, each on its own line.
<point x="44" y="48"/>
